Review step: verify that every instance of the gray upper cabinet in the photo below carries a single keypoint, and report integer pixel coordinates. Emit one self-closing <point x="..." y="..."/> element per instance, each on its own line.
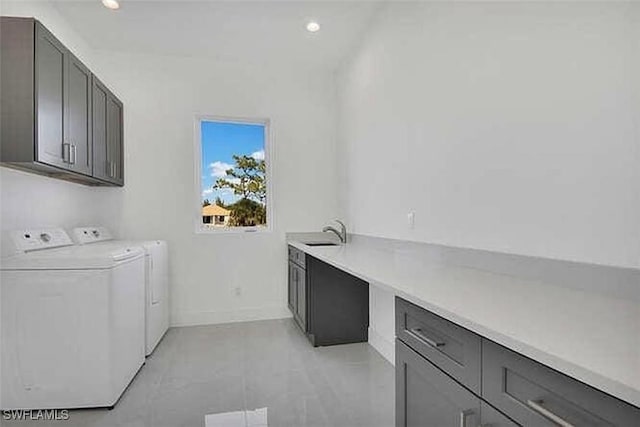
<point x="101" y="166"/>
<point x="47" y="109"/>
<point x="78" y="121"/>
<point x="115" y="154"/>
<point x="50" y="71"/>
<point x="108" y="162"/>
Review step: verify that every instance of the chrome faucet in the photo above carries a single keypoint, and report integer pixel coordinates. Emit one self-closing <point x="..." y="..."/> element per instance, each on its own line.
<point x="342" y="234"/>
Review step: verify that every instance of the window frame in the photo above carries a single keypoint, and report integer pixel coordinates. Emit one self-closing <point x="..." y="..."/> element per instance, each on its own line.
<point x="268" y="157"/>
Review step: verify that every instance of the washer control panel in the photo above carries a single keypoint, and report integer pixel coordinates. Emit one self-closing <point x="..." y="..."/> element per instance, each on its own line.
<point x="40" y="238"/>
<point x="84" y="235"/>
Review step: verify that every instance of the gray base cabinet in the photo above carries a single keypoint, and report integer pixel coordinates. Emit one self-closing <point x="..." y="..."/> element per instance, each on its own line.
<point x="297" y="288"/>
<point x="330" y="306"/>
<point x="491" y="417"/>
<point x="338" y="305"/>
<point x="453" y="349"/>
<point x="50" y="122"/>
<point x="533" y="394"/>
<point x="449" y="376"/>
<point x="426" y="396"/>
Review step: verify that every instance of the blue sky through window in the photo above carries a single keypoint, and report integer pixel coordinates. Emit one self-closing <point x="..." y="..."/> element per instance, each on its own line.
<point x="219" y="142"/>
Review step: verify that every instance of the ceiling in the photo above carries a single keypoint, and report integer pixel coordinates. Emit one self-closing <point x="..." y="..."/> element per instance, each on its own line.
<point x="263" y="31"/>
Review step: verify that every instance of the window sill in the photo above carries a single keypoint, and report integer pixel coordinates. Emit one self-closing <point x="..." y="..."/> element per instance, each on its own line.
<point x="234" y="230"/>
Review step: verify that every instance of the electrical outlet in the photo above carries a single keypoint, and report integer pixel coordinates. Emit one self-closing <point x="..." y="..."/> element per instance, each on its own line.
<point x="238" y="291"/>
<point x="411" y="220"/>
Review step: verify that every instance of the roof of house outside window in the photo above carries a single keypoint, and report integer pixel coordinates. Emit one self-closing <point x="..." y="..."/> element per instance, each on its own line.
<point x="215" y="210"/>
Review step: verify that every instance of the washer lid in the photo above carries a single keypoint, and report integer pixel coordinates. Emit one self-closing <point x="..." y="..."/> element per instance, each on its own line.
<point x="145" y="244"/>
<point x="88" y="257"/>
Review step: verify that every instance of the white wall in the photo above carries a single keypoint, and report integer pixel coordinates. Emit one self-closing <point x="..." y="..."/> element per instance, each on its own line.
<point x="28" y="200"/>
<point x="509" y="126"/>
<point x="504" y="126"/>
<point x="33" y="201"/>
<point x="382" y="322"/>
<point x="162" y="96"/>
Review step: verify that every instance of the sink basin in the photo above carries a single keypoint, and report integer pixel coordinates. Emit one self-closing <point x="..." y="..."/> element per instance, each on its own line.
<point x="321" y="244"/>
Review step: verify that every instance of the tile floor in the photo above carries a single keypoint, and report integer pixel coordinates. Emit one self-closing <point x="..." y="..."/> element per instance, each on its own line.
<point x="243" y="373"/>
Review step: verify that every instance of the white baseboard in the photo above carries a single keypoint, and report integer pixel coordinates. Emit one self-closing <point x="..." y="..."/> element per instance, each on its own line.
<point x="383" y="346"/>
<point x="193" y="318"/>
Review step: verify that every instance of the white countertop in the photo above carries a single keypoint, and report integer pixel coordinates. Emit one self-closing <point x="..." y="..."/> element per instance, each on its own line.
<point x="588" y="334"/>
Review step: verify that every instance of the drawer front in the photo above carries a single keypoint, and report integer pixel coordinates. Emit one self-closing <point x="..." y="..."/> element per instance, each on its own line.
<point x="452" y="348"/>
<point x="535" y="395"/>
<point x="297" y="256"/>
<point x="427" y="397"/>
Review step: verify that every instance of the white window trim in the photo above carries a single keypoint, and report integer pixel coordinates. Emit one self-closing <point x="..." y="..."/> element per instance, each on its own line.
<point x="268" y="157"/>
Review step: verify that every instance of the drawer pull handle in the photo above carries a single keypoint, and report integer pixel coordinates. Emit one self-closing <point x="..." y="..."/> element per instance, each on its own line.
<point x="537" y="406"/>
<point x="464" y="415"/>
<point x="418" y="333"/>
<point x="73" y="154"/>
<point x="66" y="152"/>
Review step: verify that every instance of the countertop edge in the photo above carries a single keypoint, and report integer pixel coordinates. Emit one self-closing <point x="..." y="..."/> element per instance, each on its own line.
<point x="598" y="381"/>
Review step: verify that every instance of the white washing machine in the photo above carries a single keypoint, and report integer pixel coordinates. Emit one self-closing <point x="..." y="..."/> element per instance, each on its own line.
<point x="157" y="278"/>
<point x="72" y="322"/>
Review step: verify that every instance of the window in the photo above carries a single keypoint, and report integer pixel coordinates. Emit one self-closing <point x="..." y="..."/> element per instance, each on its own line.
<point x="232" y="166"/>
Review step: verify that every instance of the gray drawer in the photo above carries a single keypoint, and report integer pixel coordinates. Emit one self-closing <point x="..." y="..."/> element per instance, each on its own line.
<point x="535" y="395"/>
<point x="452" y="348"/>
<point x="297" y="256"/>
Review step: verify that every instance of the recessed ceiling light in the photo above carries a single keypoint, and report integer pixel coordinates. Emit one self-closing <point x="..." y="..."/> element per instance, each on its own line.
<point x="313" y="26"/>
<point x="111" y="4"/>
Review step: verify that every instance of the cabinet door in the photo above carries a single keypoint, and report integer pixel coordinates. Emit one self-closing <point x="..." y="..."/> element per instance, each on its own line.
<point x="50" y="71"/>
<point x="291" y="289"/>
<point x="101" y="167"/>
<point x="426" y="396"/>
<point x="77" y="123"/>
<point x="493" y="418"/>
<point x="301" y="297"/>
<point x="107" y="144"/>
<point x="115" y="152"/>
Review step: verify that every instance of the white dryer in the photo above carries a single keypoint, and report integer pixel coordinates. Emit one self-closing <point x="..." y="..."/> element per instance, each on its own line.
<point x="157" y="278"/>
<point x="72" y="322"/>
